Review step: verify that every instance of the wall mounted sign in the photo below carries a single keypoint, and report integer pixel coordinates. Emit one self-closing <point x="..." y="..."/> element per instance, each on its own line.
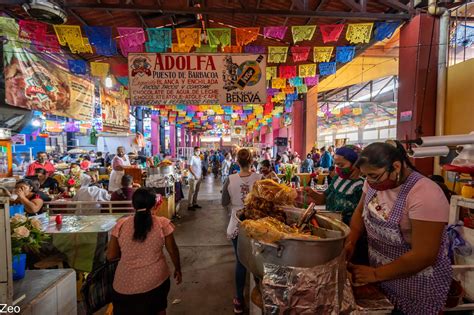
<point x="192" y="79"/>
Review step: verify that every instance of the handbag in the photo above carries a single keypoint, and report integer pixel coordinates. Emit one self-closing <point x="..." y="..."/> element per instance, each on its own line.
<point x="97" y="289"/>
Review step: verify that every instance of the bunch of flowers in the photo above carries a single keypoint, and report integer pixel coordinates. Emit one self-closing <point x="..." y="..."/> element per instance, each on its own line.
<point x="26" y="234"/>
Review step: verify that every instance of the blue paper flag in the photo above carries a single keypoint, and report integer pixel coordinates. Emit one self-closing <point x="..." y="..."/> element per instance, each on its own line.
<point x="159" y="39"/>
<point x="254" y="49"/>
<point x="296" y="81"/>
<point x="123" y="80"/>
<point x="327" y="68"/>
<point x="101" y="38"/>
<point x="77" y="66"/>
<point x="345" y="53"/>
<point x="463" y="36"/>
<point x="385" y="30"/>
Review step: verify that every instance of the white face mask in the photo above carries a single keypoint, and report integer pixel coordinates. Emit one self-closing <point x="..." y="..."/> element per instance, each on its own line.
<point x="197" y="153"/>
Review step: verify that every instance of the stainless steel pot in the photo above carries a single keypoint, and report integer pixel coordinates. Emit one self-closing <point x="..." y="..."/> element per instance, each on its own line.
<point x="166" y="170"/>
<point x="294" y="252"/>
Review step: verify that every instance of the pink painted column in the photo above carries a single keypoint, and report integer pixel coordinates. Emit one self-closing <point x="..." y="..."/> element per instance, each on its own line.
<point x="182" y="141"/>
<point x="297" y="137"/>
<point x="173" y="140"/>
<point x="155" y="134"/>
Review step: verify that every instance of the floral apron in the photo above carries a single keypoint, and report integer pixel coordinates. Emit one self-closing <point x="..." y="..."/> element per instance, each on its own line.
<point x="423" y="293"/>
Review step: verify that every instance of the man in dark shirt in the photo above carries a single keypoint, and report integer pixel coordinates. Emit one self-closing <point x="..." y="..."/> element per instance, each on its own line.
<point x="45" y="181"/>
<point x="100" y="159"/>
<point x="127" y="190"/>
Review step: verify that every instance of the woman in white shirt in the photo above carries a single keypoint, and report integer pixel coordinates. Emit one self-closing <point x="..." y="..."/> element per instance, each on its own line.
<point x="234" y="192"/>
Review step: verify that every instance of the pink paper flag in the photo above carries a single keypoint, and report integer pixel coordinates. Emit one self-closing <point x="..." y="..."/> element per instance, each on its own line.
<point x="277" y="32"/>
<point x="131" y="39"/>
<point x="311" y="81"/>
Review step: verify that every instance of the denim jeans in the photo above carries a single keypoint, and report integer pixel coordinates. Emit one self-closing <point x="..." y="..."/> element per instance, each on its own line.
<point x="240" y="273"/>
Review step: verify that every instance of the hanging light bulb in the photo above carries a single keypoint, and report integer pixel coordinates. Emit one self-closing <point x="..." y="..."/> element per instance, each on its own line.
<point x="108" y="82"/>
<point x="36" y="122"/>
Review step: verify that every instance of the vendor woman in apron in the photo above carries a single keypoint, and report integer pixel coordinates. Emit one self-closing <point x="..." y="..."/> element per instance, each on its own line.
<point x="118" y="162"/>
<point x="405" y="216"/>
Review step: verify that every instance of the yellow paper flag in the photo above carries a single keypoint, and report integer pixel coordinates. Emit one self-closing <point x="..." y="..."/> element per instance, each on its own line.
<point x="72" y="36"/>
<point x="308" y="70"/>
<point x="277" y="54"/>
<point x="359" y="32"/>
<point x="301" y="33"/>
<point x="180" y="48"/>
<point x="278" y="83"/>
<point x="99" y="69"/>
<point x="189" y="37"/>
<point x="271" y="72"/>
<point x="322" y="54"/>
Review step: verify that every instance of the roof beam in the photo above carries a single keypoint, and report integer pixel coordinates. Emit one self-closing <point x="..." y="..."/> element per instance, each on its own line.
<point x="320" y="5"/>
<point x="394" y="4"/>
<point x="256" y="16"/>
<point x="352" y="5"/>
<point x="78" y="17"/>
<point x="263" y="12"/>
<point x="144" y="23"/>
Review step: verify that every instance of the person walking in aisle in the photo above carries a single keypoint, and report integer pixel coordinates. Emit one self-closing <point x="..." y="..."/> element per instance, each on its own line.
<point x="142" y="279"/>
<point x="195" y="168"/>
<point x="225" y="170"/>
<point x="234" y="192"/>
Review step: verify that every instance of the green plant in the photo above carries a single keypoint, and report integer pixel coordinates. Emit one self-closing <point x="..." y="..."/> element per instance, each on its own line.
<point x="26" y="234"/>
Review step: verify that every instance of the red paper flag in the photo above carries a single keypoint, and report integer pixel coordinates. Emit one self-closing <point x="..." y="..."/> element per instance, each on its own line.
<point x="120" y="69"/>
<point x="287" y="72"/>
<point x="331" y="32"/>
<point x="300" y="53"/>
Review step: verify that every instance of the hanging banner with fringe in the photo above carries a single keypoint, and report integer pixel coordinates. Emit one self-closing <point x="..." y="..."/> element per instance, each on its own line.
<point x="277" y="54"/>
<point x="99" y="69"/>
<point x="311" y="81"/>
<point x="32" y="30"/>
<point x="327" y="68"/>
<point x="384" y="30"/>
<point x="287" y="71"/>
<point x="322" y="54"/>
<point x="246" y="35"/>
<point x="189" y="37"/>
<point x="359" y="33"/>
<point x="271" y="72"/>
<point x="255" y="49"/>
<point x="307" y="70"/>
<point x="177" y="48"/>
<point x="331" y="32"/>
<point x="194" y="79"/>
<point x="50" y="45"/>
<point x="278" y="83"/>
<point x="159" y="39"/>
<point x="131" y="39"/>
<point x="345" y="53"/>
<point x="78" y="66"/>
<point x="101" y="38"/>
<point x="219" y="36"/>
<point x="71" y="35"/>
<point x="277" y="32"/>
<point x="300" y="53"/>
<point x="296" y="81"/>
<point x="301" y="33"/>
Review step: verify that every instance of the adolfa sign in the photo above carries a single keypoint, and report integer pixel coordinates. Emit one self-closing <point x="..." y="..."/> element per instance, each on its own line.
<point x="191" y="79"/>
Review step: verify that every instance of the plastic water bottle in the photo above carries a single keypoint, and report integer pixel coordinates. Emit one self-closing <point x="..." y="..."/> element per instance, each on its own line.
<point x="326" y="184"/>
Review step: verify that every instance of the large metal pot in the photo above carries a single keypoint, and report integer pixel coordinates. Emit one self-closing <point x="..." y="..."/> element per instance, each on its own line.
<point x="166" y="170"/>
<point x="294" y="252"/>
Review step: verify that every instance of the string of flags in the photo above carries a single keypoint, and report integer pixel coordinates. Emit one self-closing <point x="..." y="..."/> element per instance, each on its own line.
<point x="99" y="39"/>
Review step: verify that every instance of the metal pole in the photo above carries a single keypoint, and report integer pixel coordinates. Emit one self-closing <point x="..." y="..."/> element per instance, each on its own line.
<point x="441" y="84"/>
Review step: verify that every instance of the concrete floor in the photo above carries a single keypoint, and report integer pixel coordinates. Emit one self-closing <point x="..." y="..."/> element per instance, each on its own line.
<point x="207" y="257"/>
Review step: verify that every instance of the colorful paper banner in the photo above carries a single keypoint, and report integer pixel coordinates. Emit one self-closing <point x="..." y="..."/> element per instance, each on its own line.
<point x="327" y="68"/>
<point x="311" y="81"/>
<point x="206" y="49"/>
<point x="219" y="36"/>
<point x="101" y="38"/>
<point x="78" y="66"/>
<point x="131" y="39"/>
<point x="99" y="69"/>
<point x="300" y="53"/>
<point x="322" y="54"/>
<point x="255" y="49"/>
<point x="287" y="71"/>
<point x="189" y="37"/>
<point x="177" y="48"/>
<point x="32" y="30"/>
<point x="307" y="70"/>
<point x="277" y="32"/>
<point x="278" y="83"/>
<point x="246" y="35"/>
<point x="277" y="54"/>
<point x="71" y="35"/>
<point x="296" y="81"/>
<point x="345" y="53"/>
<point x="159" y="39"/>
<point x="385" y="30"/>
<point x="359" y="33"/>
<point x="232" y="49"/>
<point x="331" y="32"/>
<point x="301" y="33"/>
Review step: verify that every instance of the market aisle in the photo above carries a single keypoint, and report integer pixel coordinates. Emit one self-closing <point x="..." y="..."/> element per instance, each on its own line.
<point x="207" y="257"/>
